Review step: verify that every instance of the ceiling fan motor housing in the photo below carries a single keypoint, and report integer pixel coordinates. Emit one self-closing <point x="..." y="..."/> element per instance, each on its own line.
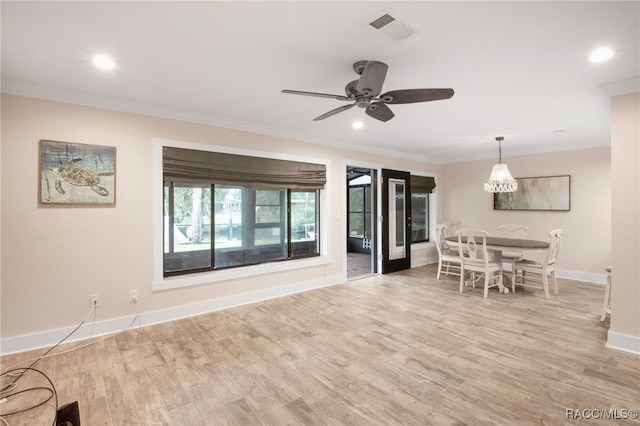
<point x="363" y="98"/>
<point x="363" y="102"/>
<point x="359" y="66"/>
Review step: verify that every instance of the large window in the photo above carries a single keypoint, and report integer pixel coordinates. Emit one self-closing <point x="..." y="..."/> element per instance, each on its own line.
<point x="419" y="217"/>
<point x="211" y="222"/>
<point x="421" y="188"/>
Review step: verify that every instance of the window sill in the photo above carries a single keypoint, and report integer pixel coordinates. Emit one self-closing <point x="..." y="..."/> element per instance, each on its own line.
<point x="169" y="283"/>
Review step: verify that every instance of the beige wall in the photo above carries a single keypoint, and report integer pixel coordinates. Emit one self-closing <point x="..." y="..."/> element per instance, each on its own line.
<point x="625" y="160"/>
<point x="53" y="258"/>
<point x="586" y="242"/>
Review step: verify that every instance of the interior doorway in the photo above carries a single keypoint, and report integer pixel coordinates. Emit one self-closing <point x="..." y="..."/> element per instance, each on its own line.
<point x="361" y="224"/>
<point x="396" y="227"/>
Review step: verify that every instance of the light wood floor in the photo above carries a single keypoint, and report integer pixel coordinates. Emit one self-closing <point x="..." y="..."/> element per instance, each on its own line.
<point x="398" y="349"/>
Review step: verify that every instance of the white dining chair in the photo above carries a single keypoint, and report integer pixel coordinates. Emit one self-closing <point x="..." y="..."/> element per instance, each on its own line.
<point x="513" y="231"/>
<point x="474" y="259"/>
<point x="540" y="272"/>
<point x="511" y="257"/>
<point x="452" y="225"/>
<point x="448" y="257"/>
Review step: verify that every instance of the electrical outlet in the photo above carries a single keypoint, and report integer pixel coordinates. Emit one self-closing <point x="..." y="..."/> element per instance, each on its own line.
<point x="133" y="296"/>
<point x="94" y="300"/>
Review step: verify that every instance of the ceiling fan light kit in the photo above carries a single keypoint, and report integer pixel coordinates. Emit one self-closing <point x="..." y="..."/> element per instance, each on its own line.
<point x="500" y="179"/>
<point x="365" y="93"/>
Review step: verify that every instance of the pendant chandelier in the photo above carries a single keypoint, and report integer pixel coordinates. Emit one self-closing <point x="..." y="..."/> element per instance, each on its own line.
<point x="500" y="179"/>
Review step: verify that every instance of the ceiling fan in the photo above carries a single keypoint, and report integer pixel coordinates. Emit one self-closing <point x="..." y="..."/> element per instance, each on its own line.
<point x="365" y="93"/>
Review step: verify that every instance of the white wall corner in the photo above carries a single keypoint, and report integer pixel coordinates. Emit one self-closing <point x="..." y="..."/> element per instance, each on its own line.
<point x="623" y="342"/>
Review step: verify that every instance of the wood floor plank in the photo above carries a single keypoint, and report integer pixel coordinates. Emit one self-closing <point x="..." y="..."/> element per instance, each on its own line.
<point x="397" y="349"/>
<point x="95" y="411"/>
<point x="242" y="412"/>
<point x="306" y="415"/>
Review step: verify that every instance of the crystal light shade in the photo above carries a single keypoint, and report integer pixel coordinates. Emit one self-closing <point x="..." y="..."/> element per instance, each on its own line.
<point x="500" y="179"/>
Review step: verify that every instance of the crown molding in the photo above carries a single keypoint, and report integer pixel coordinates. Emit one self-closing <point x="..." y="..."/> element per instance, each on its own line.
<point x="622" y="87"/>
<point x="86" y="99"/>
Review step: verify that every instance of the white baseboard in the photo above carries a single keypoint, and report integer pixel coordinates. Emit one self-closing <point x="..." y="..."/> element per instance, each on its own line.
<point x="576" y="275"/>
<point x="582" y="276"/>
<point x="49" y="338"/>
<point x="623" y="342"/>
<point x="415" y="263"/>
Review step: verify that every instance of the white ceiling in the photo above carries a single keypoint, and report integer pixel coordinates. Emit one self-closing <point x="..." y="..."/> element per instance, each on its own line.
<point x="519" y="69"/>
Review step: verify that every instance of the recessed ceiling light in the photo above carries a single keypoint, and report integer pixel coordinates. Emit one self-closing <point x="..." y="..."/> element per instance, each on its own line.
<point x="357" y="125"/>
<point x="600" y="55"/>
<point x="103" y="62"/>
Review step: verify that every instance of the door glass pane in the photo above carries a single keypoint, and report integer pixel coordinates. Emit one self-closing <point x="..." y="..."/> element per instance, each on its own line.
<point x="397" y="215"/>
<point x="356" y="199"/>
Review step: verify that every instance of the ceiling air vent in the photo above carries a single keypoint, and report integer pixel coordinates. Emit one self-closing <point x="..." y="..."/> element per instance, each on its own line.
<point x="392" y="27"/>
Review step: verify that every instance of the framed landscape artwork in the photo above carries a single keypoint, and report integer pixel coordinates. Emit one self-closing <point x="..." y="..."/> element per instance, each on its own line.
<point x="77" y="174"/>
<point x="551" y="193"/>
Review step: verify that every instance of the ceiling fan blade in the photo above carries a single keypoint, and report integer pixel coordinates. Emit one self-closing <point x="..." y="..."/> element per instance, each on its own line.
<point x="379" y="111"/>
<point x="372" y="78"/>
<point x="415" y="95"/>
<point x="320" y="95"/>
<point x="334" y="112"/>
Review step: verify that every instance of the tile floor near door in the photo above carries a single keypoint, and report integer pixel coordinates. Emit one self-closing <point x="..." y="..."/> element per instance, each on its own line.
<point x="396" y="349"/>
<point x="358" y="264"/>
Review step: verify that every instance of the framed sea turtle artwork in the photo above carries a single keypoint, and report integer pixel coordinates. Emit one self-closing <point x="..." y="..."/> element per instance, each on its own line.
<point x="77" y="174"/>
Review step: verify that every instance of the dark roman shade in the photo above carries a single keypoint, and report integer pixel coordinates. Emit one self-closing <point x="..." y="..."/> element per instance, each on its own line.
<point x="422" y="184"/>
<point x="188" y="165"/>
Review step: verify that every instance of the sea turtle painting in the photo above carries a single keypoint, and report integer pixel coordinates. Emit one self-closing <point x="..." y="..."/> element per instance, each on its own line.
<point x="79" y="176"/>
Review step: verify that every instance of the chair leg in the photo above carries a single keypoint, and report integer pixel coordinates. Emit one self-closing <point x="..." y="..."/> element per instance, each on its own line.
<point x="555" y="282"/>
<point x="461" y="279"/>
<point x="439" y="269"/>
<point x="486" y="285"/>
<point x="545" y="284"/>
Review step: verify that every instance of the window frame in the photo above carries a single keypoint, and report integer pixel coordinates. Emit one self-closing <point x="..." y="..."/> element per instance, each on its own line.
<point x="431" y="212"/>
<point x="161" y="282"/>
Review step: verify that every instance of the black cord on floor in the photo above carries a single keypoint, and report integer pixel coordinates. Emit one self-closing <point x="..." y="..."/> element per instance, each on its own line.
<point x="52" y="389"/>
<point x="8" y="386"/>
<point x="19" y="372"/>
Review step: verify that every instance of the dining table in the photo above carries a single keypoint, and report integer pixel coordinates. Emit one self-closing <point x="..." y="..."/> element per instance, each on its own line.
<point x="499" y="244"/>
